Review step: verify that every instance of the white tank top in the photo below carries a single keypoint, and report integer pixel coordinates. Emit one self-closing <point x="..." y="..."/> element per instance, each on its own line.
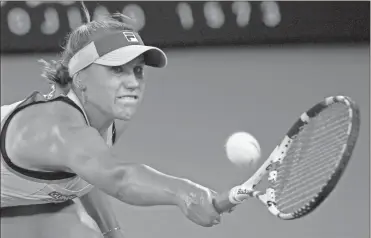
<point x="20" y="186"/>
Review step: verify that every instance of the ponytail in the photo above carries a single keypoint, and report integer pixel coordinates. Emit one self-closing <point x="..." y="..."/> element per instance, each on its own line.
<point x="56" y="73"/>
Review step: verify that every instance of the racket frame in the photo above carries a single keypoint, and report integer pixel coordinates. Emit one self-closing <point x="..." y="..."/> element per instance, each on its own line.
<point x="241" y="192"/>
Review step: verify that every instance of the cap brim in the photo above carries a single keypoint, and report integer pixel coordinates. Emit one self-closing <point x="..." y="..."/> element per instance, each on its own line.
<point x="153" y="56"/>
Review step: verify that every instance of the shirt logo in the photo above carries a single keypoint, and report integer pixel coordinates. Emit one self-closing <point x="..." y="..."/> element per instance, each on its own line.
<point x="61" y="197"/>
<point x="130" y="37"/>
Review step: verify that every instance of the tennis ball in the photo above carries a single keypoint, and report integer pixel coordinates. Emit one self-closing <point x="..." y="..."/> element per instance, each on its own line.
<point x="242" y="149"/>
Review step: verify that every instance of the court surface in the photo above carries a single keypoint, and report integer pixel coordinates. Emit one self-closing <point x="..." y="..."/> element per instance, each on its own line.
<point x="191" y="107"/>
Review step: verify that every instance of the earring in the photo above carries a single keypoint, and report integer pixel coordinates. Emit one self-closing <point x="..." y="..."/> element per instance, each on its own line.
<point x="83" y="95"/>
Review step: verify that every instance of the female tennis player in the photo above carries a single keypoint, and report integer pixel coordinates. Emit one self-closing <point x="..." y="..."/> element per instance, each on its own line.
<point x="57" y="147"/>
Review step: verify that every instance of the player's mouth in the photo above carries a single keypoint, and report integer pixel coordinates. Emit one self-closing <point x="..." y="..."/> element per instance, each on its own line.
<point x="128" y="99"/>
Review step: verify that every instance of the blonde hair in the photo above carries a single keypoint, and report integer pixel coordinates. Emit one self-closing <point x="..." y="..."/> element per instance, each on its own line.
<point x="56" y="71"/>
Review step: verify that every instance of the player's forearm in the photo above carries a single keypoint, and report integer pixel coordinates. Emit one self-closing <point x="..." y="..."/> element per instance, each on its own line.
<point x="135" y="184"/>
<point x="98" y="206"/>
<point x="146" y="186"/>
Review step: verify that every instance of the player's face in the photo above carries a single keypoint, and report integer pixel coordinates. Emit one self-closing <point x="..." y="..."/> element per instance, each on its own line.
<point x="118" y="90"/>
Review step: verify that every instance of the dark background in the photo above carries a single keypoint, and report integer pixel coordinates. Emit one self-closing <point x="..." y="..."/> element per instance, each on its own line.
<point x="298" y="22"/>
<point x="209" y="91"/>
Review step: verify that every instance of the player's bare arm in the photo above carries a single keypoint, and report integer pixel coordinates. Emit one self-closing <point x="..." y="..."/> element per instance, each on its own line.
<point x="98" y="206"/>
<point x="76" y="147"/>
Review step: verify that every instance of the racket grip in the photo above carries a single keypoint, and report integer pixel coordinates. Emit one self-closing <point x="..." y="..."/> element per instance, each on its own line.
<point x="222" y="203"/>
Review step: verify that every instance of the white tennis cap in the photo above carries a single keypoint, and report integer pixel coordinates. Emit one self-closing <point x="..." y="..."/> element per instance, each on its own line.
<point x="114" y="49"/>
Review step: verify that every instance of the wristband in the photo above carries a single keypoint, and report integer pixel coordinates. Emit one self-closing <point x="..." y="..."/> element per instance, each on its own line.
<point x="111" y="230"/>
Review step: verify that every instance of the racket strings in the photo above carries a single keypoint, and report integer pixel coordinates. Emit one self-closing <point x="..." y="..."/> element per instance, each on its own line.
<point x="293" y="182"/>
<point x="313" y="152"/>
<point x="299" y="170"/>
<point x="295" y="199"/>
<point x="299" y="189"/>
<point x="312" y="157"/>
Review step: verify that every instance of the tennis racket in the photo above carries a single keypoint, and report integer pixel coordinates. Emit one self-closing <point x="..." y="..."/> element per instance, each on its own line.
<point x="305" y="167"/>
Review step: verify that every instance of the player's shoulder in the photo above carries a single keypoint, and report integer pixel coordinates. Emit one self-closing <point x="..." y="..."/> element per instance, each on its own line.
<point x="42" y="115"/>
<point x="45" y="117"/>
<point x="39" y="108"/>
<point x="34" y="130"/>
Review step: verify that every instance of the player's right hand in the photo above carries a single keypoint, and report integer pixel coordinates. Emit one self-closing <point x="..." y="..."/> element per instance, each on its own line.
<point x="196" y="203"/>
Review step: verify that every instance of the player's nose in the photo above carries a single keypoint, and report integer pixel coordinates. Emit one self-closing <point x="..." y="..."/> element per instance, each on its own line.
<point x="130" y="81"/>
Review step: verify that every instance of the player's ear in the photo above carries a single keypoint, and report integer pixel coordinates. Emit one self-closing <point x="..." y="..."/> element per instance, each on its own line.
<point x="79" y="81"/>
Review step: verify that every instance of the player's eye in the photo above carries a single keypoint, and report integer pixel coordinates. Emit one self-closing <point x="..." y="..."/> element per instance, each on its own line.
<point x="117" y="69"/>
<point x="138" y="71"/>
